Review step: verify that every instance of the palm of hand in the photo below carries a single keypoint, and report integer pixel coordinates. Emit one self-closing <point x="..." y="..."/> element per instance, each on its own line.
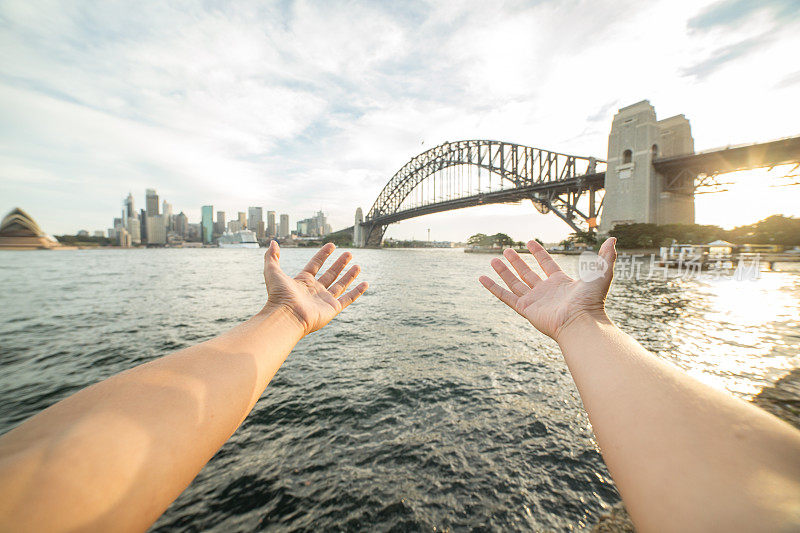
<point x="313" y="302"/>
<point x="549" y="303"/>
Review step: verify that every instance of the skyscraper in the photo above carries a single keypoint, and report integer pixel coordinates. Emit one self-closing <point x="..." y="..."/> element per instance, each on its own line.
<point x="130" y="209"/>
<point x="181" y="224"/>
<point x="283" y="230"/>
<point x="242" y="220"/>
<point x="166" y="210"/>
<point x="207" y="223"/>
<point x="152" y="202"/>
<point x="220" y="227"/>
<point x="254" y="216"/>
<point x="135" y="229"/>
<point x="143" y="220"/>
<point x="271" y="229"/>
<point x="156" y="230"/>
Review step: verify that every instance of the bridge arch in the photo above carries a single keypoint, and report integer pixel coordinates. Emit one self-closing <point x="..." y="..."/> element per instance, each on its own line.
<point x="552" y="180"/>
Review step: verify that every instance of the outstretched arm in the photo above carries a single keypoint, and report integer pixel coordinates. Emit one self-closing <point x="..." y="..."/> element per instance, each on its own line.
<point x="116" y="454"/>
<point x="685" y="457"/>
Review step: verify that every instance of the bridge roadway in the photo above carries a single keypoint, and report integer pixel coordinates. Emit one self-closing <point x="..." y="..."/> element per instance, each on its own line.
<point x="513" y="194"/>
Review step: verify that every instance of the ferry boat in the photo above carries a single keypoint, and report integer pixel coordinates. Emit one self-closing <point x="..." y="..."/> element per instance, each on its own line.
<point x="240" y="239"/>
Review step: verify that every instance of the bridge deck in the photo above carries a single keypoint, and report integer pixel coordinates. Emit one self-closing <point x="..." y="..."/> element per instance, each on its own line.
<point x="495" y="197"/>
<point x="732" y="158"/>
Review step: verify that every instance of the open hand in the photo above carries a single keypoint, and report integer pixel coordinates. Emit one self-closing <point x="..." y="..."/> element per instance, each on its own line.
<point x="313" y="301"/>
<point x="552" y="303"/>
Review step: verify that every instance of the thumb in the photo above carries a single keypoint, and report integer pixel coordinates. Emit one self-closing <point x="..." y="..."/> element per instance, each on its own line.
<point x="608" y="252"/>
<point x="272" y="258"/>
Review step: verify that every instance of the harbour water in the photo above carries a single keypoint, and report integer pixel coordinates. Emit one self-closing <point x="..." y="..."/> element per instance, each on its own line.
<point x="427" y="404"/>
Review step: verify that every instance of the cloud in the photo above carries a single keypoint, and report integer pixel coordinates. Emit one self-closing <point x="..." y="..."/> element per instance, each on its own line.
<point x="721" y="56"/>
<point x="301" y="105"/>
<point x="731" y="13"/>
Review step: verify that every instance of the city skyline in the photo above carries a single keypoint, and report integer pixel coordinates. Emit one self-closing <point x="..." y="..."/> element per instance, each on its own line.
<point x="212" y="223"/>
<point x="309" y="123"/>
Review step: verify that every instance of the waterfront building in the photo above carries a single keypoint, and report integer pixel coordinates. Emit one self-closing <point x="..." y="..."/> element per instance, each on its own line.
<point x="271" y="229"/>
<point x="157" y="230"/>
<point x="194" y="232"/>
<point x="283" y="229"/>
<point x="112" y="233"/>
<point x="262" y="229"/>
<point x="18" y="231"/>
<point x="234" y="226"/>
<point x="123" y="238"/>
<point x="84" y="233"/>
<point x="207" y="223"/>
<point x="316" y="226"/>
<point x="135" y="229"/>
<point x="254" y="216"/>
<point x="99" y="233"/>
<point x="242" y="218"/>
<point x="181" y="224"/>
<point x="220" y="226"/>
<point x="151" y="202"/>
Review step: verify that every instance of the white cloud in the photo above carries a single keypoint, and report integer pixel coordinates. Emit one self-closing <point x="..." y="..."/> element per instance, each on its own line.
<point x="306" y="105"/>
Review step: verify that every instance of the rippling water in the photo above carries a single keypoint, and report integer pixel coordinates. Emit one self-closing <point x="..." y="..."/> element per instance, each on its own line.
<point x="426" y="405"/>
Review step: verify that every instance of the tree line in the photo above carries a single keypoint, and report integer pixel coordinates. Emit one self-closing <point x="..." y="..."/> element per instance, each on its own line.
<point x="776" y="229"/>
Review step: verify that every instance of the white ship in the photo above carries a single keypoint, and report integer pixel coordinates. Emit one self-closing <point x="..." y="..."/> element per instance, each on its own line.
<point x="240" y="239"/>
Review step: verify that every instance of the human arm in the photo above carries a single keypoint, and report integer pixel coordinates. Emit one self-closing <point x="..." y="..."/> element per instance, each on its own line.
<point x="114" y="455"/>
<point x="684" y="456"/>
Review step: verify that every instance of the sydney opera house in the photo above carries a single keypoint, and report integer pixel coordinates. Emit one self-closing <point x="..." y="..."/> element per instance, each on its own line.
<point x="19" y="231"/>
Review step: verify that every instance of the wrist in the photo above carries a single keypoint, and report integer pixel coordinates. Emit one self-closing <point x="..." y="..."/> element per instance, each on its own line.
<point x="284" y="316"/>
<point x="580" y="323"/>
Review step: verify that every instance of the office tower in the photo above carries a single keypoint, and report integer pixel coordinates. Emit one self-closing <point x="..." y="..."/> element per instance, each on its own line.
<point x="117" y="223"/>
<point x="167" y="212"/>
<point x="181" y="224"/>
<point x="234" y="226"/>
<point x="302" y="227"/>
<point x="271" y="224"/>
<point x="254" y="216"/>
<point x="262" y="229"/>
<point x="156" y="230"/>
<point x="130" y="209"/>
<point x="242" y="218"/>
<point x="143" y="220"/>
<point x="135" y="229"/>
<point x="207" y="223"/>
<point x="151" y="203"/>
<point x="220" y="227"/>
<point x="283" y="229"/>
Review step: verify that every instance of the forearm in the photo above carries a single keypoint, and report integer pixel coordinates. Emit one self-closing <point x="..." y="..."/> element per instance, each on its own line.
<point x="671" y="442"/>
<point x="116" y="454"/>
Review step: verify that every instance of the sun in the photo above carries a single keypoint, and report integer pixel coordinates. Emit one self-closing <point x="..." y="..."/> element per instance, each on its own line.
<point x="749" y="196"/>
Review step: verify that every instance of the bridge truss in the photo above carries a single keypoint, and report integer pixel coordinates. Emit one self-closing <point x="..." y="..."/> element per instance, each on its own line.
<point x="462" y="174"/>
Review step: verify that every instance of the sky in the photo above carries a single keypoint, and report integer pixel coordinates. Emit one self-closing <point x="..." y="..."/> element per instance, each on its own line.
<point x="300" y="106"/>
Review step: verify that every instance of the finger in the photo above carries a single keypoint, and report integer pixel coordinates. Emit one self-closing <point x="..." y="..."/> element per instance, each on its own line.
<point x="319" y="258"/>
<point x="507" y="297"/>
<point x="525" y="272"/>
<point x="340" y="286"/>
<point x="273" y="256"/>
<point x="353" y="295"/>
<point x="513" y="282"/>
<point x="336" y="268"/>
<point x="608" y="252"/>
<point x="544" y="259"/>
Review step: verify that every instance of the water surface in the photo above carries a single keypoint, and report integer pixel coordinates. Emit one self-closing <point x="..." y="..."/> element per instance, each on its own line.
<point x="427" y="404"/>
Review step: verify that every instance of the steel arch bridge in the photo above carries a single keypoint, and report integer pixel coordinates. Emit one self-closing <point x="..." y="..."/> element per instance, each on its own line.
<point x="462" y="174"/>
